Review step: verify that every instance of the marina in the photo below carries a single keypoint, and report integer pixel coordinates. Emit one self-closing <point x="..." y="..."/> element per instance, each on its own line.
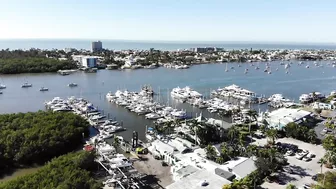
<point x="201" y="78"/>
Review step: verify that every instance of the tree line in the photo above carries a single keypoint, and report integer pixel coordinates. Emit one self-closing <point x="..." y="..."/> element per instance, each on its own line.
<point x="32" y="61"/>
<point x="73" y="170"/>
<point x="34" y="138"/>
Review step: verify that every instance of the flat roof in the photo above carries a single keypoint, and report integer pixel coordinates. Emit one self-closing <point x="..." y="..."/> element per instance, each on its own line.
<point x="195" y="180"/>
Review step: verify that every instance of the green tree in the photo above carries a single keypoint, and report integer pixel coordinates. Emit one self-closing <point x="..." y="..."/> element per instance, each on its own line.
<point x="322" y="161"/>
<point x="329" y="143"/>
<point x="211" y="152"/>
<point x="291" y="186"/>
<point x="272" y="134"/>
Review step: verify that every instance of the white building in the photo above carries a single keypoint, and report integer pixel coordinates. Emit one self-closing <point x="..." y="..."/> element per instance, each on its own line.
<point x="199" y="180"/>
<point x="279" y="118"/>
<point x="323" y="106"/>
<point x="86" y="61"/>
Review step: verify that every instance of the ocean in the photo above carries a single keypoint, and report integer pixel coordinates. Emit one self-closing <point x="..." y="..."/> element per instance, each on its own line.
<point x="145" y="45"/>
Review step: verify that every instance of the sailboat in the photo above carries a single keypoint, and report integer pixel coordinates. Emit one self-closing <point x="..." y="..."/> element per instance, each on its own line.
<point x="26" y="85"/>
<point x="226" y="69"/>
<point x="2" y="86"/>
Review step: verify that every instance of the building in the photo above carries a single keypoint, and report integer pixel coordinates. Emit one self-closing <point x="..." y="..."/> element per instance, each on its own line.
<point x="89" y="62"/>
<point x="199" y="179"/>
<point x="86" y="61"/>
<point x="97" y="46"/>
<point x="279" y="118"/>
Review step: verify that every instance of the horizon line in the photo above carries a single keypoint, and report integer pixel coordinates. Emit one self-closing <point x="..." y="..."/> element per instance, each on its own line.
<point x="175" y="41"/>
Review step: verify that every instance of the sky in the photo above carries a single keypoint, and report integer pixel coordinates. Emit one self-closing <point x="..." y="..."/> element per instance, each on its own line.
<point x="170" y="20"/>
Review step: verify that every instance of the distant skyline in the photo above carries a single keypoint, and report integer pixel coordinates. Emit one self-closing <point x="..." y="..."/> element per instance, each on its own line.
<point x="287" y="21"/>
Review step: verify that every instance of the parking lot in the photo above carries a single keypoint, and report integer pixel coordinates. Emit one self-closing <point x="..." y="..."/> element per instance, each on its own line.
<point x="301" y="171"/>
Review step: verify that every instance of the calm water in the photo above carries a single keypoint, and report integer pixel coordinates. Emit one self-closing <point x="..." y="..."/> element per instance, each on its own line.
<point x="141" y="45"/>
<point x="203" y="78"/>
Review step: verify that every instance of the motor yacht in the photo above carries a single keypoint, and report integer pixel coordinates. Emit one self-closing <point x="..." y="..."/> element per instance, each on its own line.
<point x="26" y="85"/>
<point x="72" y="85"/>
<point x="44" y="89"/>
<point x="152" y="116"/>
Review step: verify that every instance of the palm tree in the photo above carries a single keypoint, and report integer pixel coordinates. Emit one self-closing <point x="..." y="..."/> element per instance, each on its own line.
<point x="311" y="136"/>
<point x="272" y="134"/>
<point x="116" y="142"/>
<point x="167" y="126"/>
<point x="253" y="115"/>
<point x="210" y="152"/>
<point x="220" y="160"/>
<point x="232" y="134"/>
<point x="322" y="161"/>
<point x="251" y="150"/>
<point x="329" y="156"/>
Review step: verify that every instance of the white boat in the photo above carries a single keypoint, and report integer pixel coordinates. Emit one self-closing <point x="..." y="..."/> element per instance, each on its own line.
<point x="304" y="98"/>
<point x="152" y="116"/>
<point x="287" y="66"/>
<point x="110" y="96"/>
<point x="307" y="66"/>
<point x="179" y="114"/>
<point x="278" y="98"/>
<point x="44" y="89"/>
<point x="72" y="85"/>
<point x="2" y="86"/>
<point x="26" y="85"/>
<point x="184" y="93"/>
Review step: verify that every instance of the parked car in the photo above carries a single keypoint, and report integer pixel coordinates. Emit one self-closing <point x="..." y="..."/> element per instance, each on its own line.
<point x="306" y="158"/>
<point x="289" y="153"/>
<point x="301" y="154"/>
<point x="306" y="186"/>
<point x="311" y="155"/>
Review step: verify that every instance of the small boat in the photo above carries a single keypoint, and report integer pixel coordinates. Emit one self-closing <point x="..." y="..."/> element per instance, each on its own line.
<point x="287" y="72"/>
<point x="26" y="85"/>
<point x="0" y="92"/>
<point x="226" y="69"/>
<point x="307" y="66"/>
<point x="44" y="89"/>
<point x="246" y="71"/>
<point x="2" y="86"/>
<point x="72" y="85"/>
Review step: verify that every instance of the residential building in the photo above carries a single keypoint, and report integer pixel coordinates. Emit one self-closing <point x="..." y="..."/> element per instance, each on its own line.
<point x="97" y="46"/>
<point x="86" y="61"/>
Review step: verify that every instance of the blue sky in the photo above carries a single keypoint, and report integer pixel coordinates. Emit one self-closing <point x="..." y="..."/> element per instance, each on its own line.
<point x="171" y="20"/>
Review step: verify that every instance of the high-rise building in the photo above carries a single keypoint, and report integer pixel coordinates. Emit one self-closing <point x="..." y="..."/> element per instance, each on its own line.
<point x="97" y="46"/>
